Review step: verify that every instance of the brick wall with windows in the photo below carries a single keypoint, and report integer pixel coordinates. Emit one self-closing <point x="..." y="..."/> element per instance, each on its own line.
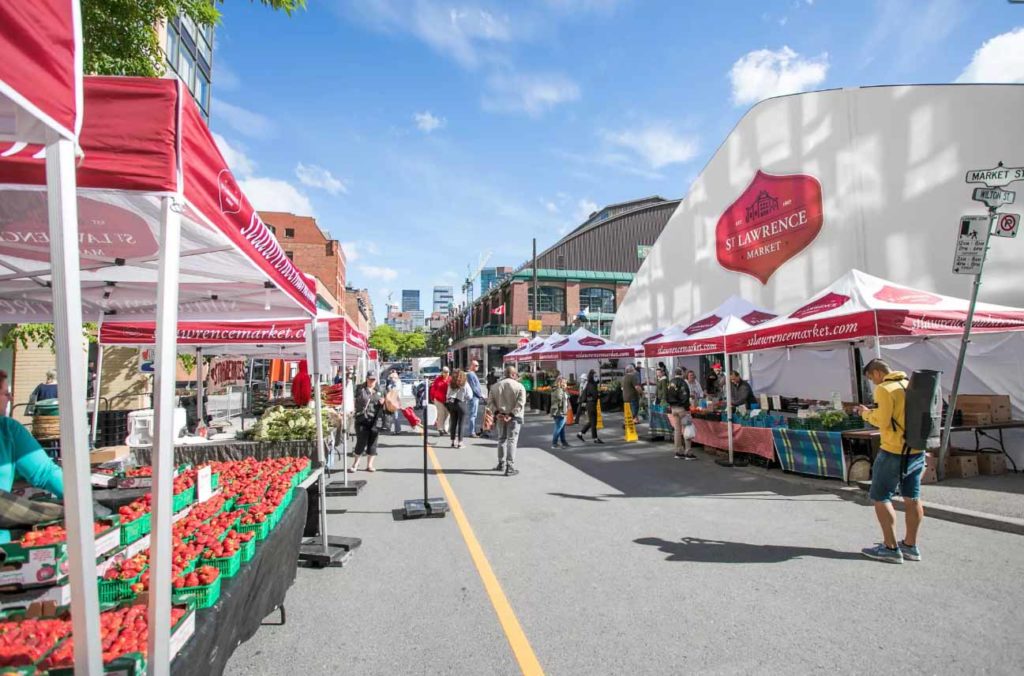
<point x="311" y="251"/>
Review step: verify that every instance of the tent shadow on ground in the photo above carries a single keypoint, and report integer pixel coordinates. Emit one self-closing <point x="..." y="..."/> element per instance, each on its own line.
<point x="699" y="550"/>
<point x="645" y="470"/>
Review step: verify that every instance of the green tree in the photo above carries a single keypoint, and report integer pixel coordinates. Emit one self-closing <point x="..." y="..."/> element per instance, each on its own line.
<point x="121" y="38"/>
<point x="437" y="344"/>
<point x="412" y="344"/>
<point x="39" y="334"/>
<point x="386" y="340"/>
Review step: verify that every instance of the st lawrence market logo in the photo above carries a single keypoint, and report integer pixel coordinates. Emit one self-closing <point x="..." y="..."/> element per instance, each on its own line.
<point x="774" y="219"/>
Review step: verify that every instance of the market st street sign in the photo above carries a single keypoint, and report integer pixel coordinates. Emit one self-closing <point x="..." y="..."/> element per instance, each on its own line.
<point x="994" y="197"/>
<point x="996" y="177"/>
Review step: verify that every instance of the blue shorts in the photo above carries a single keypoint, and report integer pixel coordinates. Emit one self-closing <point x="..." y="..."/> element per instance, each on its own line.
<point x="886" y="477"/>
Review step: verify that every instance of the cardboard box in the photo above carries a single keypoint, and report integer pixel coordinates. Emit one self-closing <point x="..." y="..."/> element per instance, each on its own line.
<point x="1002" y="413"/>
<point x="930" y="476"/>
<point x="977" y="418"/>
<point x="108" y="454"/>
<point x="991" y="464"/>
<point x="961" y="466"/>
<point x="995" y="406"/>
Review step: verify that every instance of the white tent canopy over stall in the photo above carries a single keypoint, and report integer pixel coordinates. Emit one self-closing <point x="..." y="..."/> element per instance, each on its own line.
<point x="810" y="185"/>
<point x="157" y="207"/>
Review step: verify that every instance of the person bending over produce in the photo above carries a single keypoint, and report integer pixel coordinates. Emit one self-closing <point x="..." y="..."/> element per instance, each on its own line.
<point x="21" y="453"/>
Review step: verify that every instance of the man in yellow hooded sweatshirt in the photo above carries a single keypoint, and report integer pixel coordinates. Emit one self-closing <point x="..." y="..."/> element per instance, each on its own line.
<point x="888" y="473"/>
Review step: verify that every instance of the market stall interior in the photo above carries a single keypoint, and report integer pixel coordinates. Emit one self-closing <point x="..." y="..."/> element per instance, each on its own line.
<point x="165" y="231"/>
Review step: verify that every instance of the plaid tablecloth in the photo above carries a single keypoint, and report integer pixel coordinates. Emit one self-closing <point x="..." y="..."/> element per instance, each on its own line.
<point x="815" y="452"/>
<point x="753" y="440"/>
<point x="660" y="425"/>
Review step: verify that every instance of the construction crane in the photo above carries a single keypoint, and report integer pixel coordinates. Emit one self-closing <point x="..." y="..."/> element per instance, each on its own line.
<point x="471" y="275"/>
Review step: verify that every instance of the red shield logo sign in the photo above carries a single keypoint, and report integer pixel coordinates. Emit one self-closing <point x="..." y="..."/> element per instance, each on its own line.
<point x="900" y="296"/>
<point x="651" y="338"/>
<point x="830" y="301"/>
<point x="230" y="193"/>
<point x="702" y="325"/>
<point x="755" y="317"/>
<point x="591" y="341"/>
<point x="561" y="343"/>
<point x="774" y="219"/>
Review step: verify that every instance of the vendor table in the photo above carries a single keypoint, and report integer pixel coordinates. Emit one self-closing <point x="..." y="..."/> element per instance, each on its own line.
<point x="233" y="450"/>
<point x="752" y="440"/>
<point x="257" y="590"/>
<point x="815" y="452"/>
<point x="992" y="432"/>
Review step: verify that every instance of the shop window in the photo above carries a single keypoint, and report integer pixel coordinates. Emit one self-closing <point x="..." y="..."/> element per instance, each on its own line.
<point x="550" y="298"/>
<point x="595" y="299"/>
<point x="289" y="233"/>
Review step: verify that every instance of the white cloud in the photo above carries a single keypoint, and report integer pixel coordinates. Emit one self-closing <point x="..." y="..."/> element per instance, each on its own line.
<point x="657" y="145"/>
<point x="532" y="94"/>
<point x="457" y="32"/>
<point x="551" y="207"/>
<point x="271" y="194"/>
<point x="378" y="272"/>
<point x="227" y="79"/>
<point x="317" y="177"/>
<point x="584" y="208"/>
<point x="354" y="250"/>
<point x="239" y="163"/>
<point x="1000" y="59"/>
<point x="245" y="122"/>
<point x="428" y="122"/>
<point x="762" y="73"/>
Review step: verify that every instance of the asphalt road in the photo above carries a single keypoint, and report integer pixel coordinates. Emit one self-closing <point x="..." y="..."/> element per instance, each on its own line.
<point x="619" y="559"/>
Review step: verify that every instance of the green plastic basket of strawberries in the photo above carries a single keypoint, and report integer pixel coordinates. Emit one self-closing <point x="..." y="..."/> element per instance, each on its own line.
<point x="26" y="642"/>
<point x="202" y="586"/>
<point x="124" y="580"/>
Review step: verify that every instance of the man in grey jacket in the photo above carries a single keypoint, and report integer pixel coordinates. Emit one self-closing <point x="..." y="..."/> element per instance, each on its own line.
<point x="507" y="401"/>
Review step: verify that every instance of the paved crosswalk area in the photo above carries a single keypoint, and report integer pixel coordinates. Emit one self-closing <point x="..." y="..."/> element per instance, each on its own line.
<point x="618" y="559"/>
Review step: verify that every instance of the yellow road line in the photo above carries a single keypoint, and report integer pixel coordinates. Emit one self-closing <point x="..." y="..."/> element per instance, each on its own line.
<point x="528" y="663"/>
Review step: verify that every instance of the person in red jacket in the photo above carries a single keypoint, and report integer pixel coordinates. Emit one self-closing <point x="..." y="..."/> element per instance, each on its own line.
<point x="302" y="387"/>
<point x="438" y="395"/>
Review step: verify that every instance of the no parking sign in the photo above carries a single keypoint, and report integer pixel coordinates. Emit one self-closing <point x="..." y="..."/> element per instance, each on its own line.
<point x="1006" y="225"/>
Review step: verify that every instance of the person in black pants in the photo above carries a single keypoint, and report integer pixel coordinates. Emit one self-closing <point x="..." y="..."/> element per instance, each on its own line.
<point x="369" y="404"/>
<point x="589" y="398"/>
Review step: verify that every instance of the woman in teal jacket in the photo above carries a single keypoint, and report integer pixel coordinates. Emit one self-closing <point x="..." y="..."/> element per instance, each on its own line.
<point x="21" y="453"/>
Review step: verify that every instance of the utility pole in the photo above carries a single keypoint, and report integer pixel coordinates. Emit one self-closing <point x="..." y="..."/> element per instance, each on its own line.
<point x="535" y="298"/>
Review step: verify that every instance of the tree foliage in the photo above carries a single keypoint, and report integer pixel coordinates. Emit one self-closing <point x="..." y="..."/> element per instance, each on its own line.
<point x="120" y="36"/>
<point x="385" y="339"/>
<point x="412" y="344"/>
<point x="25" y="335"/>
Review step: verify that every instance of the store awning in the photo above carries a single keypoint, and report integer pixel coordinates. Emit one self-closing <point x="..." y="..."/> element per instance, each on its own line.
<point x="144" y="139"/>
<point x="859" y="305"/>
<point x="707" y="335"/>
<point x="582" y="344"/>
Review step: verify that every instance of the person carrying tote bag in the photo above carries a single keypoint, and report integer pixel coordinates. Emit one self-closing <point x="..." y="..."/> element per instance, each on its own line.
<point x="459" y="394"/>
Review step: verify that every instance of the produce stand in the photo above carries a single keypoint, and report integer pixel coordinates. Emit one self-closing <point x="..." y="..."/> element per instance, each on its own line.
<point x="814" y="452"/>
<point x="990" y="434"/>
<point x="753" y="440"/>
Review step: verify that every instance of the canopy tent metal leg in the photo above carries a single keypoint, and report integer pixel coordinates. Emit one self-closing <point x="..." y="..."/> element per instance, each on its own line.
<point x="163" y="440"/>
<point x="67" y="319"/>
<point x="94" y="423"/>
<point x="200" y="391"/>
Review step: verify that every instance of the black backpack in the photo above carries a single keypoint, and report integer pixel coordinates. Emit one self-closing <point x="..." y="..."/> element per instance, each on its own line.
<point x="922" y="413"/>
<point x="678" y="392"/>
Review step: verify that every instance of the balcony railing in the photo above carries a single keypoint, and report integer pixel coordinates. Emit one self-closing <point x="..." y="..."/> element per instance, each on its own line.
<point x="516" y="330"/>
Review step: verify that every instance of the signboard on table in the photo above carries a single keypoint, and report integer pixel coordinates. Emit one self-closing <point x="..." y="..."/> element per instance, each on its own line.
<point x="227" y="371"/>
<point x="972" y="238"/>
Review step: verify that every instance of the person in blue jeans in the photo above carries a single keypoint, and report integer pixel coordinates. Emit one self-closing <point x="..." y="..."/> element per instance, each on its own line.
<point x="20" y="453"/>
<point x="896" y="467"/>
<point x="559" y="406"/>
<point x="474" y="403"/>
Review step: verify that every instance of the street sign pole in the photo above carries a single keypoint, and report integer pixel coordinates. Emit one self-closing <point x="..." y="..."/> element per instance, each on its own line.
<point x="948" y="422"/>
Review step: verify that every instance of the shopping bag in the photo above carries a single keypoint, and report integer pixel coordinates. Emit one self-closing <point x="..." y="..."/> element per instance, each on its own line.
<point x="410" y="415"/>
<point x="689" y="432"/>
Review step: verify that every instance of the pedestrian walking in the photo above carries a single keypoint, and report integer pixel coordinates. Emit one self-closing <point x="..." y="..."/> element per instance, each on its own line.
<point x="439" y="397"/>
<point x="474" y="404"/>
<point x="457" y="399"/>
<point x="394" y="418"/>
<point x="369" y="407"/>
<point x="678" y="398"/>
<point x="559" y="407"/>
<point x="589" y="398"/>
<point x="660" y="421"/>
<point x="507" y="401"/>
<point x="630" y="392"/>
<point x="889" y="473"/>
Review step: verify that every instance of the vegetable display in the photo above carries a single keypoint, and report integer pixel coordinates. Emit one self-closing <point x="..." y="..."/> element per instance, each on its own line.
<point x="288" y="424"/>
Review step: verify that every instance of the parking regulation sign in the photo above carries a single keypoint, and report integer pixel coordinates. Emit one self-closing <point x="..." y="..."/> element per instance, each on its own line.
<point x="972" y="238"/>
<point x="1006" y="225"/>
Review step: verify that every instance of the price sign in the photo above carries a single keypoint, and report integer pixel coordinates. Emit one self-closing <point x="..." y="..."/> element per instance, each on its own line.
<point x="204" y="489"/>
<point x="972" y="237"/>
<point x="1007" y="225"/>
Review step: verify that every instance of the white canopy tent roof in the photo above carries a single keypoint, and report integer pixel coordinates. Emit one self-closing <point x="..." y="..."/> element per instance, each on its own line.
<point x="707" y="334"/>
<point x="582" y="344"/>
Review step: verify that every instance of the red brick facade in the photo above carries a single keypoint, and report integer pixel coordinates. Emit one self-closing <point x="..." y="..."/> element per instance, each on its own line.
<point x="310" y="249"/>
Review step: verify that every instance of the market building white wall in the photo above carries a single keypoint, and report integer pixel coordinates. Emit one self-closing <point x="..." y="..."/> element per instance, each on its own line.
<point x="890" y="162"/>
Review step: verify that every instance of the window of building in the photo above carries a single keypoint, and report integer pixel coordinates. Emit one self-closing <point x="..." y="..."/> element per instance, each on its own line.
<point x="560" y="262"/>
<point x="288" y="254"/>
<point x="186" y="69"/>
<point x="272" y="228"/>
<point x="594" y="299"/>
<point x="203" y="91"/>
<point x="329" y="249"/>
<point x="551" y="299"/>
<point x="173" y="42"/>
<point x="289" y="233"/>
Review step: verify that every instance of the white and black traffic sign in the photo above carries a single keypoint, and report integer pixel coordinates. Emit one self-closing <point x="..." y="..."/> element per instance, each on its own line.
<point x="1006" y="225"/>
<point x="993" y="197"/>
<point x="997" y="177"/>
<point x="972" y="238"/>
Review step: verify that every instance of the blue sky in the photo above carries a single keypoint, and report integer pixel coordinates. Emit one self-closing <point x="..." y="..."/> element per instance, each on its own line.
<point x="422" y="133"/>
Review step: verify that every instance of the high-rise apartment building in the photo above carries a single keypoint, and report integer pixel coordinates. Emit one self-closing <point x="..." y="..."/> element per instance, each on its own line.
<point x="189" y="52"/>
<point x="410" y="299"/>
<point x="491" y="277"/>
<point x="444" y="296"/>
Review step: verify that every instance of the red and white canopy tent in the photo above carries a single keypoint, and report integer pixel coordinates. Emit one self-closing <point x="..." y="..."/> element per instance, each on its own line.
<point x="581" y="344"/>
<point x="521" y="353"/>
<point x="159" y="208"/>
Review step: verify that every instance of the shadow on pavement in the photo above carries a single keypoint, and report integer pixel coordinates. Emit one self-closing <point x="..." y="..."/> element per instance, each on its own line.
<point x="431" y="472"/>
<point x="699" y="550"/>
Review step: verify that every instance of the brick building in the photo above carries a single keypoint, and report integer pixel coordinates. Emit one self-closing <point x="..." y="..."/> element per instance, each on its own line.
<point x="312" y="251"/>
<point x="359" y="308"/>
<point x="589" y="269"/>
